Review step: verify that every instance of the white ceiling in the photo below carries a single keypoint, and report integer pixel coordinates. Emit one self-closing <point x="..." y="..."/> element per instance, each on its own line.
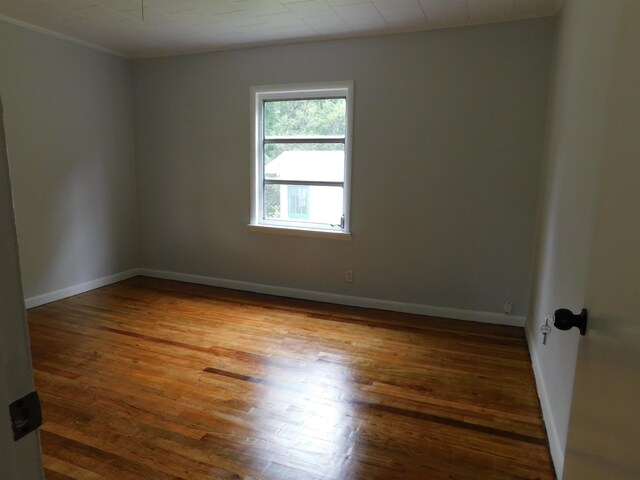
<point x="184" y="26"/>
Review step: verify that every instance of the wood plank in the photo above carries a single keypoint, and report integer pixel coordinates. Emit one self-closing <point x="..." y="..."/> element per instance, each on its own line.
<point x="158" y="379"/>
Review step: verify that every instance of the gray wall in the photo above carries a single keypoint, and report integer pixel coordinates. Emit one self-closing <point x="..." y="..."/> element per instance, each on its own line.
<point x="448" y="136"/>
<point x="69" y="132"/>
<point x="574" y="146"/>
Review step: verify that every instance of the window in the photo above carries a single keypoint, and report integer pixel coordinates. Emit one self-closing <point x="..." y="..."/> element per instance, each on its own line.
<point x="298" y="201"/>
<point x="301" y="158"/>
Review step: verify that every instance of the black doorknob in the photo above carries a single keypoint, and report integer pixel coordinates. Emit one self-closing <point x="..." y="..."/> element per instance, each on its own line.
<point x="565" y="319"/>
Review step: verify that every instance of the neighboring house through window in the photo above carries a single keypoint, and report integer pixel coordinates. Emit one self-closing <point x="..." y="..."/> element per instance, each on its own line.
<point x="301" y="157"/>
<point x="298" y="201"/>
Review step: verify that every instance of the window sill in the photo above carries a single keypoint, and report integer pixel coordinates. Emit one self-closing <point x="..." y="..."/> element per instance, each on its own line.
<point x="298" y="232"/>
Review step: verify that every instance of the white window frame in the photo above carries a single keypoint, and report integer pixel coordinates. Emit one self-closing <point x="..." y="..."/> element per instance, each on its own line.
<point x="259" y="94"/>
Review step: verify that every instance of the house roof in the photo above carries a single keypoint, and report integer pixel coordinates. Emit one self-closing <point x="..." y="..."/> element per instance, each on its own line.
<point x="326" y="166"/>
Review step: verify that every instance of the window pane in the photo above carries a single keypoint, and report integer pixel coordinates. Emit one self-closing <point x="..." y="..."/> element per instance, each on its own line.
<point x="303" y="203"/>
<point x="272" y="203"/>
<point x="304" y="118"/>
<point x="321" y="162"/>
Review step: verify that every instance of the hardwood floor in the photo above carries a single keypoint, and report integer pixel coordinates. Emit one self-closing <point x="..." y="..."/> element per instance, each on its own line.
<point x="153" y="379"/>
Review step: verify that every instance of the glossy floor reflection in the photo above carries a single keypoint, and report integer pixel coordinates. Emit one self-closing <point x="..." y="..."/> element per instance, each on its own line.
<point x="152" y="379"/>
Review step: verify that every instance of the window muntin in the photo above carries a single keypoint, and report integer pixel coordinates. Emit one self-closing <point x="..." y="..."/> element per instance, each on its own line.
<point x="302" y="157"/>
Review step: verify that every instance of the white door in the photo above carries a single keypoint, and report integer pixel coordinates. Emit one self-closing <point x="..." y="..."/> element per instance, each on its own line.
<point x="604" y="428"/>
<point x="18" y="459"/>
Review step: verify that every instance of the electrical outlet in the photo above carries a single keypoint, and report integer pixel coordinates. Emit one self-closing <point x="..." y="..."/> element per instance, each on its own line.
<point x="507" y="307"/>
<point x="348" y="276"/>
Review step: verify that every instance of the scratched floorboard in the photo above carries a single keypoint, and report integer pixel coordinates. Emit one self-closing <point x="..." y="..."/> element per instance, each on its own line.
<point x="154" y="379"/>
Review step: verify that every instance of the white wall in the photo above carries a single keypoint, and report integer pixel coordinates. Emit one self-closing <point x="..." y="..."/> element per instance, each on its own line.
<point x="448" y="137"/>
<point x="604" y="429"/>
<point x="575" y="140"/>
<point x="69" y="126"/>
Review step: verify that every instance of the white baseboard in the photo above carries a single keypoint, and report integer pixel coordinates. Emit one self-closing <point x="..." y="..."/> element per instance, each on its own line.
<point x="421" y="309"/>
<point x="79" y="288"/>
<point x="557" y="450"/>
<point x="417" y="308"/>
